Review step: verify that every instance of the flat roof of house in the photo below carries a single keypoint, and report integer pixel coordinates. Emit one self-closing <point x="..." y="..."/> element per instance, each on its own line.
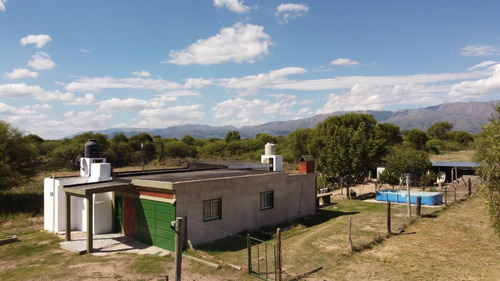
<point x="197" y="171"/>
<point x="454" y="164"/>
<point x="191" y="174"/>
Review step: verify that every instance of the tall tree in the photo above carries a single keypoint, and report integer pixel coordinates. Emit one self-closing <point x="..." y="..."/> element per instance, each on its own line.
<point x="489" y="155"/>
<point x="18" y="156"/>
<point x="350" y="154"/>
<point x="415" y="138"/>
<point x="439" y="130"/>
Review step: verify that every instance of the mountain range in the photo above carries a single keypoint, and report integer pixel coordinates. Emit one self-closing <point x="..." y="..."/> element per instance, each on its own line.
<point x="468" y="117"/>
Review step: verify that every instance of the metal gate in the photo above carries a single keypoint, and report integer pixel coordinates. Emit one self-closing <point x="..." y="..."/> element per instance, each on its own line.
<point x="262" y="259"/>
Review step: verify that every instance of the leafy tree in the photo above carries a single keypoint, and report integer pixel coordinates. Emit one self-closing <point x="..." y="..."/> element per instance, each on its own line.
<point x="489" y="155"/>
<point x="389" y="133"/>
<point x="439" y="130"/>
<point x="266" y="138"/>
<point x="404" y="160"/>
<point x="18" y="156"/>
<point x="303" y="142"/>
<point x="232" y="136"/>
<point x="215" y="149"/>
<point x="415" y="138"/>
<point x="187" y="139"/>
<point x="462" y="138"/>
<point x="179" y="149"/>
<point x="350" y="154"/>
<point x="348" y="120"/>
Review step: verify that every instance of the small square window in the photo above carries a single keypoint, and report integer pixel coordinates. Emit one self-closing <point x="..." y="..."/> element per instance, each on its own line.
<point x="266" y="200"/>
<point x="211" y="209"/>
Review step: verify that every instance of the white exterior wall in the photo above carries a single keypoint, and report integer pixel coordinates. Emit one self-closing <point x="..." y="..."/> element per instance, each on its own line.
<point x="294" y="196"/>
<point x="55" y="202"/>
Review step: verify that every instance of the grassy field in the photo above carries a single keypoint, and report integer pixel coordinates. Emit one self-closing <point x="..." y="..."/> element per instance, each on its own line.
<point x="452" y="243"/>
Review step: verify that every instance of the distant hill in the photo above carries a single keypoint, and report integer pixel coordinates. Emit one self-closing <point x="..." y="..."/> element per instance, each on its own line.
<point x="468" y="117"/>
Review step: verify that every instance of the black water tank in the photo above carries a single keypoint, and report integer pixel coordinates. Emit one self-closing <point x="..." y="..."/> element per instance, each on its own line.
<point x="92" y="149"/>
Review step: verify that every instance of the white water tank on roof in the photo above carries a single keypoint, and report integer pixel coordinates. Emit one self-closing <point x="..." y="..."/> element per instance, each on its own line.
<point x="270" y="149"/>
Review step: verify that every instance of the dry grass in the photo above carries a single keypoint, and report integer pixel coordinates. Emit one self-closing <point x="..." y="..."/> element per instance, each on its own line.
<point x="462" y="156"/>
<point x="453" y="244"/>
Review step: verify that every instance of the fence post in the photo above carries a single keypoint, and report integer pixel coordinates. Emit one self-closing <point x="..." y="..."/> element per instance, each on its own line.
<point x="349" y="233"/>
<point x="278" y="253"/>
<point x="445" y="196"/>
<point x="388" y="217"/>
<point x="419" y="205"/>
<point x="469" y="185"/>
<point x="178" y="247"/>
<point x="408" y="203"/>
<point x="455" y="193"/>
<point x="249" y="255"/>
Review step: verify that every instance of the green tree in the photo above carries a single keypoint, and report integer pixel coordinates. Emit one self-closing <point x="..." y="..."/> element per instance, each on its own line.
<point x="303" y="142"/>
<point x="18" y="156"/>
<point x="389" y="133"/>
<point x="488" y="153"/>
<point x="232" y="136"/>
<point x="415" y="138"/>
<point x="439" y="130"/>
<point x="266" y="138"/>
<point x="350" y="154"/>
<point x="349" y="120"/>
<point x="402" y="160"/>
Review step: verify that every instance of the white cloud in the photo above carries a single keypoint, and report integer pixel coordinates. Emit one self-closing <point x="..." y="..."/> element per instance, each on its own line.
<point x="41" y="61"/>
<point x="251" y="112"/>
<point x="19" y="90"/>
<point x="197" y="83"/>
<point x="2" y="5"/>
<point x="374" y="97"/>
<point x="85" y="51"/>
<point x="164" y="117"/>
<point x="285" y="12"/>
<point x="82" y="121"/>
<point x="8" y="110"/>
<point x="344" y="62"/>
<point x="480" y="50"/>
<point x="87" y="84"/>
<point x="82" y="87"/>
<point x="239" y="43"/>
<point x="39" y="40"/>
<point x="20" y="73"/>
<point x="253" y="82"/>
<point x="232" y="5"/>
<point x="85" y="100"/>
<point x="142" y="73"/>
<point x="484" y="64"/>
<point x="22" y="90"/>
<point x="115" y="104"/>
<point x="479" y="88"/>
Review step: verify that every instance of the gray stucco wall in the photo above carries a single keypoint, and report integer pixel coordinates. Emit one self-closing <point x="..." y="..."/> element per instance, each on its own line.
<point x="294" y="196"/>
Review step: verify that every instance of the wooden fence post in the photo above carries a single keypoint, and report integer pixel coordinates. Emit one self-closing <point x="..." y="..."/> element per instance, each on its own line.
<point x="278" y="254"/>
<point x="469" y="185"/>
<point x="419" y="205"/>
<point x="349" y="233"/>
<point x="249" y="254"/>
<point x="388" y="217"/>
<point x="178" y="247"/>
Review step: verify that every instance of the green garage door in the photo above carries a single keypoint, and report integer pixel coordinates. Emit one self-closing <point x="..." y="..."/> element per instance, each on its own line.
<point x="152" y="222"/>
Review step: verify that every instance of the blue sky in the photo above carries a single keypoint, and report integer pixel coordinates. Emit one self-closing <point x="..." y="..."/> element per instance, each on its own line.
<point x="74" y="66"/>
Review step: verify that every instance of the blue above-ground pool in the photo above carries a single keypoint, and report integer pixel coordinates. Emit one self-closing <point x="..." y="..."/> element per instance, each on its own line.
<point x="400" y="196"/>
